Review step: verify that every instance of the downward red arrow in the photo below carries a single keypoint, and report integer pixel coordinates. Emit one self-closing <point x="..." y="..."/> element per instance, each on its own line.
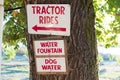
<point x="36" y="28"/>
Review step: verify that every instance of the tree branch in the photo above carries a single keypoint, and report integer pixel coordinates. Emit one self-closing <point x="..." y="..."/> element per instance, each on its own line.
<point x="11" y="9"/>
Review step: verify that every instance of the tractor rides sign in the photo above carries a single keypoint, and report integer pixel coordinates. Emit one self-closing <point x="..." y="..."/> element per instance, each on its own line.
<point x="49" y="19"/>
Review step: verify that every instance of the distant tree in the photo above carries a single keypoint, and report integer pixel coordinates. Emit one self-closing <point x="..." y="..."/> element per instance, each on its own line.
<point x="106" y="36"/>
<point x="14" y="18"/>
<point x="107" y="21"/>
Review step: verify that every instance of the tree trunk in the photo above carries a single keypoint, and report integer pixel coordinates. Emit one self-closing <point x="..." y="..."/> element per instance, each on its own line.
<point x="81" y="44"/>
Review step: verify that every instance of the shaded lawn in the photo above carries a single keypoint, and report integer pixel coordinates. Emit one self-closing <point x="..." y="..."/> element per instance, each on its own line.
<point x="19" y="70"/>
<point x="109" y="71"/>
<point x="15" y="70"/>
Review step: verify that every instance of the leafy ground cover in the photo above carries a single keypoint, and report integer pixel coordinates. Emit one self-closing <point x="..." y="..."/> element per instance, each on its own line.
<point x="18" y="69"/>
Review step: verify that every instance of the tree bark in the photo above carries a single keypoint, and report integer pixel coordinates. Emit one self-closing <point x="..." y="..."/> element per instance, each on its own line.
<point x="81" y="44"/>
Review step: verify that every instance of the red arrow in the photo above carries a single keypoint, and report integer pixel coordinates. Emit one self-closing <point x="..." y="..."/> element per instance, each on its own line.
<point x="36" y="28"/>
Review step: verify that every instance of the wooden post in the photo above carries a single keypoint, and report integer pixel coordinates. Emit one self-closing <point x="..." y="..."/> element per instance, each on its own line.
<point x="1" y="25"/>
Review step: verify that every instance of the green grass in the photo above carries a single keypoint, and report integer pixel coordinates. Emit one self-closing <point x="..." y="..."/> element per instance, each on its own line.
<point x="19" y="70"/>
<point x="110" y="71"/>
<point x="15" y="71"/>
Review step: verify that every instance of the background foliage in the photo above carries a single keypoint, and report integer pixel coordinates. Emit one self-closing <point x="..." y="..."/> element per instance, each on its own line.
<point x="9" y="53"/>
<point x="107" y="22"/>
<point x="14" y="28"/>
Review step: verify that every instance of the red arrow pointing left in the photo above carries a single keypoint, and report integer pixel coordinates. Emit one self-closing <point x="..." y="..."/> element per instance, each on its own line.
<point x="36" y="28"/>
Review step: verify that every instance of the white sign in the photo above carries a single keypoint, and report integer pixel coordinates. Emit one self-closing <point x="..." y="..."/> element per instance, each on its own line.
<point x="51" y="65"/>
<point x="49" y="47"/>
<point x="49" y="19"/>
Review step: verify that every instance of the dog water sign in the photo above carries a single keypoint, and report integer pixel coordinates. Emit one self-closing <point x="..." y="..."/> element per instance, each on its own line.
<point x="51" y="65"/>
